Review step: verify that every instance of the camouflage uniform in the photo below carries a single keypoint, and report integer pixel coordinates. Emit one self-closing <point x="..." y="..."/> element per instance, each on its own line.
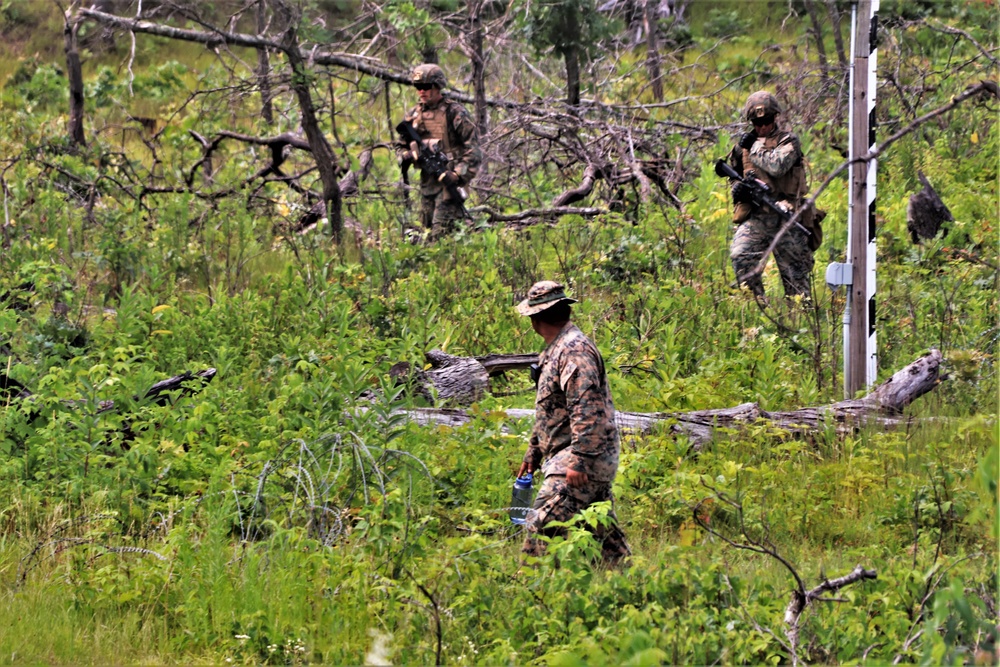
<point x="777" y="160"/>
<point x="574" y="430"/>
<point x="448" y="125"/>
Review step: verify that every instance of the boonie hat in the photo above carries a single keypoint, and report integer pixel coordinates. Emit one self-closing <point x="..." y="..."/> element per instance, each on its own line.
<point x="542" y="296"/>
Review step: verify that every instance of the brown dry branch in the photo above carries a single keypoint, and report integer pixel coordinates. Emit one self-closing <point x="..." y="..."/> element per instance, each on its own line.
<point x="759" y="541"/>
<point x="609" y="150"/>
<point x="185" y="384"/>
<point x="801" y="599"/>
<point x="531" y="215"/>
<point x="216" y="37"/>
<point x="626" y="149"/>
<point x="987" y="53"/>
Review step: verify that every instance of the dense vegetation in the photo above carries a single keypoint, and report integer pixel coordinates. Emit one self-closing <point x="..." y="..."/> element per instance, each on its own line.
<point x="285" y="514"/>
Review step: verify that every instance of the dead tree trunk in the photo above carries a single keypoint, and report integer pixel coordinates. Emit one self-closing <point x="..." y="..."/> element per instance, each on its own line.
<point x="652" y="49"/>
<point x="326" y="162"/>
<point x="817" y="31"/>
<point x="838" y="37"/>
<point x="882" y="407"/>
<point x="926" y="213"/>
<point x="478" y="58"/>
<point x="454" y="380"/>
<point x="186" y="384"/>
<point x="75" y="73"/>
<point x="264" y="68"/>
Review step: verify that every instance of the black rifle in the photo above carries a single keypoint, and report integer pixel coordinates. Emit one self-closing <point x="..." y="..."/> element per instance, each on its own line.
<point x="431" y="162"/>
<point x="758" y="191"/>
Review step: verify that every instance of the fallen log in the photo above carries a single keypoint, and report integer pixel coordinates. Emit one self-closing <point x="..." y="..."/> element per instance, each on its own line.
<point x="883" y="406"/>
<point x="533" y="215"/>
<point x="11" y="389"/>
<point x="455" y="380"/>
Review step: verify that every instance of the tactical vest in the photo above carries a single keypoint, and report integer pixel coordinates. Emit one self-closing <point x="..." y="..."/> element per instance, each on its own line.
<point x="792" y="185"/>
<point x="433" y="123"/>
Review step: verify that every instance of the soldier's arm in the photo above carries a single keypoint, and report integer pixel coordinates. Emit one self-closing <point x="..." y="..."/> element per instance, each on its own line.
<point x="582" y="381"/>
<point x="465" y="148"/>
<point x="533" y="455"/>
<point x="776" y="161"/>
<point x="402" y="148"/>
<point x="735" y="159"/>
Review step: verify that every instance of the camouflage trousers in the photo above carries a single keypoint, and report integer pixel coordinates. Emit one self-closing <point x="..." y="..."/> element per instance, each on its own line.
<point x="441" y="216"/>
<point x="795" y="260"/>
<point x="558" y="502"/>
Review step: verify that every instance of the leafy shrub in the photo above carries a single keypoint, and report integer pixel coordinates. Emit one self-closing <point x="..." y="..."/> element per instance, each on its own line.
<point x="724" y="24"/>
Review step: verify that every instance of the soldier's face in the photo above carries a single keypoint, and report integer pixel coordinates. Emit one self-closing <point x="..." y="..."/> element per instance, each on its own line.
<point x="431" y="95"/>
<point x="764" y="129"/>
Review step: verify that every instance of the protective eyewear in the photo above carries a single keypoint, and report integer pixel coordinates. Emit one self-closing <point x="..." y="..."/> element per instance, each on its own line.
<point x="423" y="86"/>
<point x="766" y="120"/>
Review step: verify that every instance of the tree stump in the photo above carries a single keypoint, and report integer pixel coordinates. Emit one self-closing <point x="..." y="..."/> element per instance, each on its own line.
<point x="926" y="213"/>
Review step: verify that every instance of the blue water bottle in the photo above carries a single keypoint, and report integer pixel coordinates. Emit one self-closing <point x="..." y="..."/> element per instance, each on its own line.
<point x="520" y="500"/>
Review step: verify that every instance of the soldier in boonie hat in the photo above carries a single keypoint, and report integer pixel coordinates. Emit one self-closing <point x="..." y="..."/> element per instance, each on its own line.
<point x="542" y="296"/>
<point x="574" y="444"/>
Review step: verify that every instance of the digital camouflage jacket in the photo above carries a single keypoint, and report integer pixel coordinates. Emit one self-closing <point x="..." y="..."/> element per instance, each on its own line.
<point x="448" y="124"/>
<point x="777" y="160"/>
<point x="574" y="415"/>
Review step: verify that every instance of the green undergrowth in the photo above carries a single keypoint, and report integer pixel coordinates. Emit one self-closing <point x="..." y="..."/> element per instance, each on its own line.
<point x="286" y="513"/>
<point x="292" y="559"/>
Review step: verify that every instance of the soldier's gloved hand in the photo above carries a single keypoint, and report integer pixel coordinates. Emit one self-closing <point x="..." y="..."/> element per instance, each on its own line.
<point x="448" y="178"/>
<point x="741" y="193"/>
<point x="748" y="139"/>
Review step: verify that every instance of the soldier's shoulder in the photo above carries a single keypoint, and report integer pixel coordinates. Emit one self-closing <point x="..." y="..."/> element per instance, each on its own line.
<point x="576" y="342"/>
<point x="457" y="108"/>
<point x="789" y="137"/>
<point x="412" y="113"/>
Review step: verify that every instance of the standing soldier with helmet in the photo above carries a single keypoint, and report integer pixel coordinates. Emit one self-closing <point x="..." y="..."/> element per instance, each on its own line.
<point x="772" y="156"/>
<point x="445" y="128"/>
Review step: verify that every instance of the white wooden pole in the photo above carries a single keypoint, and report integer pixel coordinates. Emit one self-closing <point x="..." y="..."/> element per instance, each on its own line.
<point x="860" y="358"/>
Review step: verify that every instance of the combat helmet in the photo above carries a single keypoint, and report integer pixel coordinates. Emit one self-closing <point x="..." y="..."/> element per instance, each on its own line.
<point x="760" y="105"/>
<point x="431" y="74"/>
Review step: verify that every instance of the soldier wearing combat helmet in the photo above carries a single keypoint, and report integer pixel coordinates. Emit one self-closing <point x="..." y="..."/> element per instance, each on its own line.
<point x="445" y="125"/>
<point x="773" y="156"/>
<point x="574" y="441"/>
